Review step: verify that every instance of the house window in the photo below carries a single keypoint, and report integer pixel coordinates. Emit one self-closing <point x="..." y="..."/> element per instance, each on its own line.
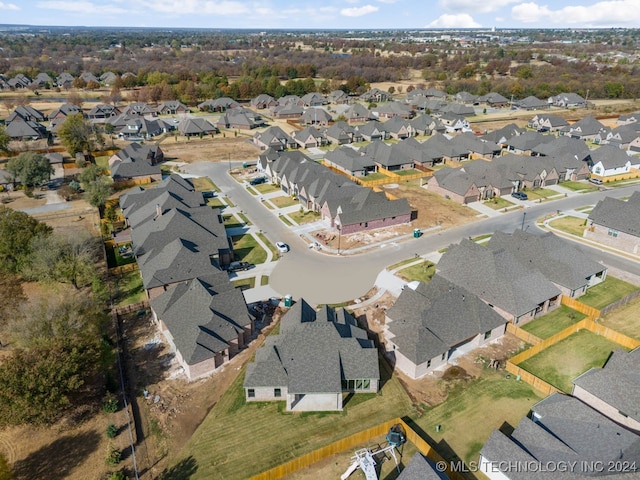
<point x="251" y="393"/>
<point x="277" y="392"/>
<point x="366" y="384"/>
<point x="444" y="356"/>
<point x="487" y="335"/>
<point x="612" y="233"/>
<point x="358" y="384"/>
<point x="428" y="363"/>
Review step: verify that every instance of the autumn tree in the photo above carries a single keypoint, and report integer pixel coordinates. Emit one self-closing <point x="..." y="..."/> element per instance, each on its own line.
<point x="16" y="231"/>
<point x="30" y="169"/>
<point x="77" y="134"/>
<point x="4" y="140"/>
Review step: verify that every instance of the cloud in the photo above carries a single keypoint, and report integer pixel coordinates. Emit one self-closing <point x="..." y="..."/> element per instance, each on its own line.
<point x="82" y="8"/>
<point x="387" y="1"/>
<point x="460" y="20"/>
<point x="474" y="6"/>
<point x="8" y="6"/>
<point x="198" y="7"/>
<point x="358" y="11"/>
<point x="601" y="14"/>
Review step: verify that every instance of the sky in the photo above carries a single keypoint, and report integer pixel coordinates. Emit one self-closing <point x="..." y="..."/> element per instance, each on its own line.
<point x="325" y="14"/>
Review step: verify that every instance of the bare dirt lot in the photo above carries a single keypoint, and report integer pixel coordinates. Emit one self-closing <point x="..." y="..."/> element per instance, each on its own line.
<point x="210" y="150"/>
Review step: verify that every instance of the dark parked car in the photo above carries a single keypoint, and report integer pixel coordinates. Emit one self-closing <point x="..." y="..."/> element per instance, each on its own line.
<point x="520" y="196"/>
<point x="238" y="266"/>
<point x="258" y="180"/>
<point x="209" y="194"/>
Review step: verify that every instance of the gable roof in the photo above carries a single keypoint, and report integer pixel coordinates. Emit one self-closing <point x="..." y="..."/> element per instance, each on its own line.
<point x="610" y="156"/>
<point x="436" y="316"/>
<point x="584" y="127"/>
<point x="314" y="352"/>
<point x="618" y="214"/>
<point x="421" y="468"/>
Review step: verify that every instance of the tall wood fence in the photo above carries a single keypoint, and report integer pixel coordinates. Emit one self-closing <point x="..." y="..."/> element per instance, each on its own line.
<point x="530" y="338"/>
<point x="619" y="303"/>
<point x="122" y="269"/>
<point x="133" y="307"/>
<point x="351" y="442"/>
<point x="633" y="173"/>
<point x="531" y="379"/>
<point x="589" y="311"/>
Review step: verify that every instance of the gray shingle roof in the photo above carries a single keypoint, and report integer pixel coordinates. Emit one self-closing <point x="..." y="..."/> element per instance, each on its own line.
<point x="618" y="215"/>
<point x="421" y="468"/>
<point x="314" y="352"/>
<point x="435" y="317"/>
<point x="610" y="156"/>
<point x="617" y="383"/>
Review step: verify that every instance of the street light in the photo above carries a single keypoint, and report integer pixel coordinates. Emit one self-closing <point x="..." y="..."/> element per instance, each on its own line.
<point x="339" y="232"/>
<point x="524" y="215"/>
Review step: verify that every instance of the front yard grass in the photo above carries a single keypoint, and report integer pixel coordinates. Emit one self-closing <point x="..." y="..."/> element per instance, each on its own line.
<point x="268" y="243"/>
<point x="230" y="221"/>
<point x="422" y="272"/>
<point x="607" y="292"/>
<point x="267" y="188"/>
<point x="561" y="363"/>
<point x="572" y="225"/>
<point x="204" y="184"/>
<point x="216" y="203"/>
<point x="625" y="319"/>
<point x="473" y="410"/>
<point x="578" y="186"/>
<point x="245" y="282"/>
<point x="283" y="201"/>
<point x="285" y="220"/>
<point x="306" y="216"/>
<point x="129" y="288"/>
<point x="498" y="203"/>
<point x="553" y="322"/>
<point x="540" y="193"/>
<point x="246" y="249"/>
<point x="260" y="423"/>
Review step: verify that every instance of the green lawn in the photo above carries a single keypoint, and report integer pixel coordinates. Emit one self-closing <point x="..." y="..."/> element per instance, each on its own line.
<point x="129" y="289"/>
<point x="103" y="161"/>
<point x="498" y="203"/>
<point x="400" y="264"/>
<point x="115" y="259"/>
<point x="607" y="292"/>
<point x="410" y="171"/>
<point x="625" y="319"/>
<point x="572" y="225"/>
<point x="283" y="201"/>
<point x="267" y="188"/>
<point x="239" y="439"/>
<point x="264" y="280"/>
<point x="244" y="218"/>
<point x="246" y="249"/>
<point x="473" y="410"/>
<point x="230" y="221"/>
<point x="561" y="363"/>
<point x="307" y="216"/>
<point x="481" y="238"/>
<point x="216" y="203"/>
<point x="370" y="177"/>
<point x="540" y="193"/>
<point x="248" y="282"/>
<point x="553" y="322"/>
<point x="577" y="186"/>
<point x="285" y="220"/>
<point x="422" y="272"/>
<point x="268" y="243"/>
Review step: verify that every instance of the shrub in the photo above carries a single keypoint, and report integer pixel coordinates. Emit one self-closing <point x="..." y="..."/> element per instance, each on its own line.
<point x="110" y="403"/>
<point x="119" y="475"/>
<point x="114" y="456"/>
<point x="112" y="431"/>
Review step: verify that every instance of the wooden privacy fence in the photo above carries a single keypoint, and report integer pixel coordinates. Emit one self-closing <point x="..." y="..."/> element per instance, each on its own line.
<point x="589" y="311"/>
<point x="633" y="173"/>
<point x="530" y="378"/>
<point x="129" y="267"/>
<point x="610" y="334"/>
<point x="619" y="303"/>
<point x="133" y="307"/>
<point x="351" y="442"/>
<point x="530" y="338"/>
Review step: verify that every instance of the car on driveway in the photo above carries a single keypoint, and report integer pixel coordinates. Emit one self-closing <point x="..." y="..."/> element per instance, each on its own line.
<point x="238" y="266"/>
<point x="520" y="196"/>
<point x="282" y="247"/>
<point x="595" y="181"/>
<point x="258" y="181"/>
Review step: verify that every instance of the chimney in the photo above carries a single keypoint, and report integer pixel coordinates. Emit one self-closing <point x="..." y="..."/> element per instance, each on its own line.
<point x="158" y="211"/>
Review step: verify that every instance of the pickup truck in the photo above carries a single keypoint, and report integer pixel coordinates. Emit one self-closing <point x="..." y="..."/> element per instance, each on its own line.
<point x="238" y="266"/>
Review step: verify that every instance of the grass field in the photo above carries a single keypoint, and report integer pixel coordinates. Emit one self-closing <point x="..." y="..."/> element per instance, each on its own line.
<point x="422" y="272"/>
<point x="306" y="216"/>
<point x="239" y="439"/>
<point x="204" y="184"/>
<point x="473" y="411"/>
<point x="553" y="322"/>
<point x="571" y="225"/>
<point x="625" y="319"/>
<point x="283" y="201"/>
<point x="607" y="292"/>
<point x="561" y="363"/>
<point x="578" y="186"/>
<point x="498" y="203"/>
<point x="266" y="188"/>
<point x="246" y="249"/>
<point x="540" y="193"/>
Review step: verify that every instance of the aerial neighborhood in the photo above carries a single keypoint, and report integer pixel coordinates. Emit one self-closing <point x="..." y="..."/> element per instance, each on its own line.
<point x="237" y="262"/>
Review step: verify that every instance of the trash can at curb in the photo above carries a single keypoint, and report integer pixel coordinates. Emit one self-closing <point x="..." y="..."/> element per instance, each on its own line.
<point x="288" y="300"/>
<point x="416" y="233"/>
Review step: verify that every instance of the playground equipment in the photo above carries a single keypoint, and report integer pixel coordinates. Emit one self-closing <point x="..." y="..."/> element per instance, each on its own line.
<point x="364" y="459"/>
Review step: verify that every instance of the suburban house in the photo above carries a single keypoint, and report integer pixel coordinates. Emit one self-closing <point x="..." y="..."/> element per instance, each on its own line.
<point x="103" y="111"/>
<point x="388" y="157"/>
<point x="421" y="468"/>
<point x="516" y="291"/>
<point x="564" y="146"/>
<point x="314" y="99"/>
<point x="240" y="118"/>
<point x="340" y="133"/>
<point x="172" y="107"/>
<point x="287" y="111"/>
<point x="584" y="129"/>
<point x="338" y="97"/>
<point x="616" y="223"/>
<point x="308" y="137"/>
<point x="614" y="389"/>
<point x="622" y="137"/>
<point x="628" y="119"/>
<point x="357" y="113"/>
<point x="136" y="162"/>
<point x="569" y="100"/>
<point x="398" y="128"/>
<point x="192" y="127"/>
<point x="525" y="143"/>
<point x="42" y="80"/>
<point x="476" y="146"/>
<point x="571" y="270"/>
<point x="454" y="123"/>
<point x="393" y="109"/>
<point x="221" y="104"/>
<point x="350" y="161"/>
<point x="442" y="148"/>
<point x="274" y="137"/>
<point x="26" y="130"/>
<point x="375" y="95"/>
<point x="25" y="113"/>
<point x="462" y="187"/>
<point x="434" y="323"/>
<point x="317" y="358"/>
<point x="65" y="80"/>
<point x="19" y="81"/>
<point x="139" y="108"/>
<point x="205" y="321"/>
<point x="465" y="98"/>
<point x="63" y="111"/>
<point x="140" y="128"/>
<point x="502" y="135"/>
<point x="315" y="116"/>
<point x="263" y="101"/>
<point x="561" y="430"/>
<point x="609" y="160"/>
<point x="543" y="122"/>
<point x="493" y="99"/>
<point x="372" y="130"/>
<point x="290" y="100"/>
<point x="458" y="109"/>
<point x="531" y="103"/>
<point x="425" y="125"/>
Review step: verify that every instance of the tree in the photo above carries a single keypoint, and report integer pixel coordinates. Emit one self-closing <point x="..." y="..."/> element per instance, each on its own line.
<point x="78" y="135"/>
<point x="30" y="169"/>
<point x="74" y="98"/>
<point x="16" y="231"/>
<point x="98" y="191"/>
<point x="4" y="140"/>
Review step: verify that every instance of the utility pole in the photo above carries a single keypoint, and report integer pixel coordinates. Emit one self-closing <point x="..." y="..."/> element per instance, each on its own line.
<point x="524" y="215"/>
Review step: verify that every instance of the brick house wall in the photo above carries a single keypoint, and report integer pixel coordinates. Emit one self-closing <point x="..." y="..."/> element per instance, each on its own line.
<point x="607" y="410"/>
<point x="614" y="238"/>
<point x="379" y="223"/>
<point x="472" y="195"/>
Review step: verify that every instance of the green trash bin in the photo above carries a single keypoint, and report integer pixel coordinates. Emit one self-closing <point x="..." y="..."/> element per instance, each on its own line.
<point x="416" y="233"/>
<point x="288" y="300"/>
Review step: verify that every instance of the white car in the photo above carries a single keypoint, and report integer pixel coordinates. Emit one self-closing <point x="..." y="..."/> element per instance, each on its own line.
<point x="282" y="247"/>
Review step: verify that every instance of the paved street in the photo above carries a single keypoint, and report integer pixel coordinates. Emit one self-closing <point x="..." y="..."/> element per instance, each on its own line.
<point x="322" y="278"/>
